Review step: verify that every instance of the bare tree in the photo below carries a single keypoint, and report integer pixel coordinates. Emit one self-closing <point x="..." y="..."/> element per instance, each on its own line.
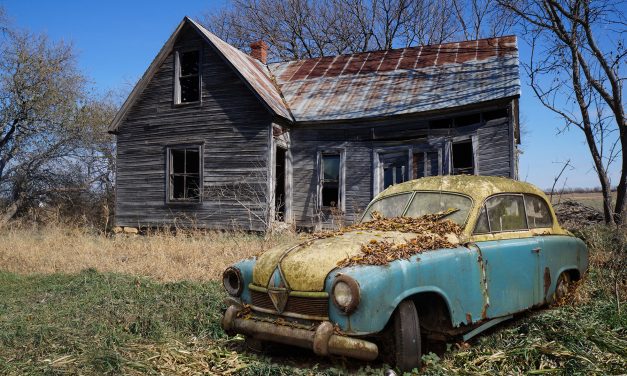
<point x="296" y="29"/>
<point x="580" y="79"/>
<point x="49" y="125"/>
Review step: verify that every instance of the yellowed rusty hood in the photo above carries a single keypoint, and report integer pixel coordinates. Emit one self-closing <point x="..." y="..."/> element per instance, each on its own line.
<point x="306" y="263"/>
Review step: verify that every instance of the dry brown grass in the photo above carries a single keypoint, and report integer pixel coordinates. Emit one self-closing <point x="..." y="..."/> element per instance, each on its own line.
<point x="163" y="256"/>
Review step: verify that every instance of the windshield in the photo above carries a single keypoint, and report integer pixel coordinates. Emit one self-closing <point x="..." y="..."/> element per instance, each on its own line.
<point x="423" y="203"/>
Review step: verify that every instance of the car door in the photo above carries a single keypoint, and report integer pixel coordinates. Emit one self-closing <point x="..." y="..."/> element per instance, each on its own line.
<point x="511" y="261"/>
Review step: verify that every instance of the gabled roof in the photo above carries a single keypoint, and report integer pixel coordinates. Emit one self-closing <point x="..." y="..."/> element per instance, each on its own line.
<point x="399" y="81"/>
<point x="368" y="84"/>
<point x="250" y="70"/>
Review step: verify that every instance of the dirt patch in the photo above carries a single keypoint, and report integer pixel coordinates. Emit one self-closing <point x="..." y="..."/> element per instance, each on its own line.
<point x="432" y="232"/>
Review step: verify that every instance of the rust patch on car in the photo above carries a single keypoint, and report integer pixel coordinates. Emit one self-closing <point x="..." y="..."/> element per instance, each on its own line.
<point x="468" y="318"/>
<point x="547" y="281"/>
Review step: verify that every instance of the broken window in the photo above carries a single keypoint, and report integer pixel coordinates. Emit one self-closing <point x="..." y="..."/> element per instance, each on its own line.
<point x="188" y="77"/>
<point x="184" y="174"/>
<point x="394" y="168"/>
<point x="538" y="214"/>
<point x="426" y="164"/>
<point x="463" y="158"/>
<point x="330" y="180"/>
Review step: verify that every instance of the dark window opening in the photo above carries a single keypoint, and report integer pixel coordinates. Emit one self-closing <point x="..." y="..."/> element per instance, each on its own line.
<point x="395" y="168"/>
<point x="496" y="114"/>
<point x="330" y="180"/>
<point x="189" y="78"/>
<point x="463" y="121"/>
<point x="185" y="182"/>
<point x="463" y="158"/>
<point x="440" y="124"/>
<point x="279" y="187"/>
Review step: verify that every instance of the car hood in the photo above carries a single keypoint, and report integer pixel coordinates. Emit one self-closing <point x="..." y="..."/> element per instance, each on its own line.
<point x="305" y="264"/>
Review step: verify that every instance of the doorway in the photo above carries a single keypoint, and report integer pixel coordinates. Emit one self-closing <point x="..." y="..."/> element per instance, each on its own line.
<point x="279" y="183"/>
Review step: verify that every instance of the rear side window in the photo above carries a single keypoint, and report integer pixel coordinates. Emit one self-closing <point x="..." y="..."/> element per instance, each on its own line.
<point x="538" y="214"/>
<point x="506" y="213"/>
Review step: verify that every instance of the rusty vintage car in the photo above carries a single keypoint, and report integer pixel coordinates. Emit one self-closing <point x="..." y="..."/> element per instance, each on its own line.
<point x="510" y="255"/>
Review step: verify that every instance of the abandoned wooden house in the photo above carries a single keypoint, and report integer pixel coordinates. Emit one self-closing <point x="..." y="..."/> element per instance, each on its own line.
<point x="215" y="137"/>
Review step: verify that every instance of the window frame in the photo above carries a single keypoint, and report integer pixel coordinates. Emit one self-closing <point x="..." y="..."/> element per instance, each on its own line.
<point x="177" y="76"/>
<point x="483" y="207"/>
<point x="411" y="199"/>
<point x="341" y="178"/>
<point x="545" y="202"/>
<point x="169" y="172"/>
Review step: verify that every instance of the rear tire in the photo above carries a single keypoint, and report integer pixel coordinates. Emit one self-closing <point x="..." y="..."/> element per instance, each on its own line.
<point x="407" y="341"/>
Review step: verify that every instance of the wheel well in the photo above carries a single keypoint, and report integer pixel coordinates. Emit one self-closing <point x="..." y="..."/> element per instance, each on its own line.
<point x="433" y="311"/>
<point x="574" y="274"/>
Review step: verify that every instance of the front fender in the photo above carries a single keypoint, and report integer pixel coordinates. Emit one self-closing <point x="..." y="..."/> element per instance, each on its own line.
<point x="454" y="274"/>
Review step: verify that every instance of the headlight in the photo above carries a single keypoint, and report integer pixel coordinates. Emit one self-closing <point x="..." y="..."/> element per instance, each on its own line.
<point x="345" y="292"/>
<point x="232" y="281"/>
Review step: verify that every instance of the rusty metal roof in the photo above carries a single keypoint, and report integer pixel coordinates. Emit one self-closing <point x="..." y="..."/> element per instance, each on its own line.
<point x="369" y="84"/>
<point x="399" y="81"/>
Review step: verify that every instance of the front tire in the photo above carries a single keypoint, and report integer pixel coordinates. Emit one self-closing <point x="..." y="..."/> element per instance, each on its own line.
<point x="407" y="346"/>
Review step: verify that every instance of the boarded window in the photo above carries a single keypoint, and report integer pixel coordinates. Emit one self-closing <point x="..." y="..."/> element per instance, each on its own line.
<point x="184" y="174"/>
<point x="463" y="158"/>
<point x="188" y="76"/>
<point x="330" y="180"/>
<point x="506" y="213"/>
<point x="538" y="214"/>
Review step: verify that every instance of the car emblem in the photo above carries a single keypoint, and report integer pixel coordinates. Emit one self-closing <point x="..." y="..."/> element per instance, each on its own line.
<point x="278" y="290"/>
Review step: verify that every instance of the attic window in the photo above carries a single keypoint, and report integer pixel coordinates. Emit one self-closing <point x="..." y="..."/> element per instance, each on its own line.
<point x="184" y="172"/>
<point x="187" y="86"/>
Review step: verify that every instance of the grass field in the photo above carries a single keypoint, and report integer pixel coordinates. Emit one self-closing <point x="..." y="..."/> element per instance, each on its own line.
<point x="592" y="199"/>
<point x="58" y="321"/>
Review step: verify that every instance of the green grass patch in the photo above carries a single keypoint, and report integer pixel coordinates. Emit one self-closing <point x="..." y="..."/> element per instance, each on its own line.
<point x="95" y="323"/>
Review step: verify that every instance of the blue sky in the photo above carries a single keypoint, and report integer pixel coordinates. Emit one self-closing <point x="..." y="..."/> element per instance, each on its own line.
<point x="116" y="41"/>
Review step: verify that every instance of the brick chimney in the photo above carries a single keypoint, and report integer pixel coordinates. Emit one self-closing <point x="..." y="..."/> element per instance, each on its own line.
<point x="259" y="50"/>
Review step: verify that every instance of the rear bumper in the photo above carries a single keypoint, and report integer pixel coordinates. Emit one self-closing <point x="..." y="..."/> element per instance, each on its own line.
<point x="321" y="340"/>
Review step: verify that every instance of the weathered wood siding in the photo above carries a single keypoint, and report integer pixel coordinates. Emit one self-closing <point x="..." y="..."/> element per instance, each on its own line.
<point x="231" y="125"/>
<point x="361" y="141"/>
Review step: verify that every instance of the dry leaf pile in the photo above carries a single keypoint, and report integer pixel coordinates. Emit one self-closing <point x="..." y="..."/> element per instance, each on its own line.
<point x="430" y="230"/>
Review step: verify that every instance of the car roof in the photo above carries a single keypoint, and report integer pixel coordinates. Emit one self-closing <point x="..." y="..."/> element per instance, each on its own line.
<point x="477" y="187"/>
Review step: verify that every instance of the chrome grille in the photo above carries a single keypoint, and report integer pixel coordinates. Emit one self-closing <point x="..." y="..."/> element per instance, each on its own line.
<point x="295" y="304"/>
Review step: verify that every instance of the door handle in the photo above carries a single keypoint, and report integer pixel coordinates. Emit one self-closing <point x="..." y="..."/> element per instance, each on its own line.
<point x="535" y="250"/>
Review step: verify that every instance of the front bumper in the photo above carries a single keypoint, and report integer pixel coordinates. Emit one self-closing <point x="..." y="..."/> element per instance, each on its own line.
<point x="321" y="340"/>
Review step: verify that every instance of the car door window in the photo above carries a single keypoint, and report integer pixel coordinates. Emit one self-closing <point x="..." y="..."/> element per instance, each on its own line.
<point x="482" y="226"/>
<point x="538" y="214"/>
<point x="506" y="213"/>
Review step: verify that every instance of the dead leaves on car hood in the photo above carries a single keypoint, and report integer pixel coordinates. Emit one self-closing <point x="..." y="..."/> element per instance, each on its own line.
<point x="432" y="232"/>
